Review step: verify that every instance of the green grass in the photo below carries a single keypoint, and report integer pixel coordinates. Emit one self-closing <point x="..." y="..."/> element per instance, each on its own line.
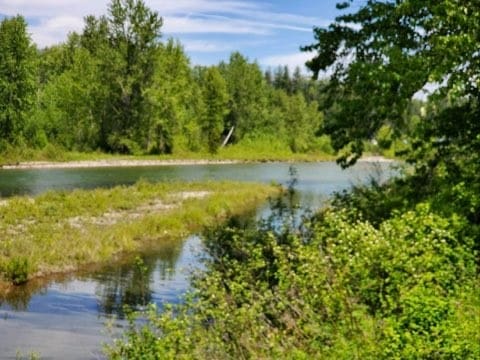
<point x="61" y="231"/>
<point x="242" y="152"/>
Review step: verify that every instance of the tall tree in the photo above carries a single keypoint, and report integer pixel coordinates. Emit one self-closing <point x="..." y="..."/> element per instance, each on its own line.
<point x="282" y="79"/>
<point x="17" y="77"/>
<point x="70" y="105"/>
<point x="133" y="32"/>
<point x="174" y="98"/>
<point x="215" y="95"/>
<point x="247" y="92"/>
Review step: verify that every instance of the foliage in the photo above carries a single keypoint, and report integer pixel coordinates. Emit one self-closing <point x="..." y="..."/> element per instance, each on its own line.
<point x="215" y="98"/>
<point x="133" y="32"/>
<point x="383" y="53"/>
<point x="116" y="87"/>
<point x="66" y="110"/>
<point x="324" y="287"/>
<point x="17" y="270"/>
<point x="389" y="271"/>
<point x="175" y="103"/>
<point x="246" y="89"/>
<point x="17" y="82"/>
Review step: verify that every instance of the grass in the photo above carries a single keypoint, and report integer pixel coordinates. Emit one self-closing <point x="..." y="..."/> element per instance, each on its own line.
<point x="241" y="152"/>
<point x="62" y="231"/>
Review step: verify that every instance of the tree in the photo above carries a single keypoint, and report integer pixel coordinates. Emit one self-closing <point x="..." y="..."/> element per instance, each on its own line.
<point x="70" y="105"/>
<point x="17" y="77"/>
<point x="215" y="97"/>
<point x="247" y="92"/>
<point x="299" y="120"/>
<point x="126" y="44"/>
<point x="382" y="54"/>
<point x="174" y="100"/>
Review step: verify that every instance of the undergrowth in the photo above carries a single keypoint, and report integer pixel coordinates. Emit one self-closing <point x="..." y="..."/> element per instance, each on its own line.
<point x="331" y="286"/>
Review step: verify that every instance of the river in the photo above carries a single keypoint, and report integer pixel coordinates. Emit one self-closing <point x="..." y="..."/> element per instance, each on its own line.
<point x="68" y="316"/>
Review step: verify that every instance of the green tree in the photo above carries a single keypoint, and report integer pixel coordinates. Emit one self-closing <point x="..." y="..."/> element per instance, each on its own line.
<point x="215" y="97"/>
<point x="126" y="42"/>
<point x="247" y="92"/>
<point x="56" y="59"/>
<point x="300" y="121"/>
<point x="383" y="53"/>
<point x="17" y="77"/>
<point x="282" y="79"/>
<point x="70" y="105"/>
<point x="175" y="100"/>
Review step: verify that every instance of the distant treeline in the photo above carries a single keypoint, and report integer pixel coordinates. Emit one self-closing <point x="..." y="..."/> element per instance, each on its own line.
<point x="117" y="87"/>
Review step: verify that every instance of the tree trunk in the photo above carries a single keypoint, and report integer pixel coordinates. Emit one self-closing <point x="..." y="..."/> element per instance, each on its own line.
<point x="225" y="142"/>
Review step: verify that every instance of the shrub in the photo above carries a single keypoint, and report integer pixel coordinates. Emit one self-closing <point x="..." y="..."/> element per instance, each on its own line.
<point x="17" y="270"/>
<point x="329" y="286"/>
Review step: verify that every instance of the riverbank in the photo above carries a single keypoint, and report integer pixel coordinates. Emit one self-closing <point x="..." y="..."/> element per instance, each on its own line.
<point x="65" y="231"/>
<point x="134" y="162"/>
<point x="113" y="163"/>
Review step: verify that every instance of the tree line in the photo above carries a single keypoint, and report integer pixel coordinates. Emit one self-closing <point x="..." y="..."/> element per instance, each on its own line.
<point x="118" y="88"/>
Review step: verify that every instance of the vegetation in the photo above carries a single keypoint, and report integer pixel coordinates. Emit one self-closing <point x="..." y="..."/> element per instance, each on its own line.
<point x="389" y="271"/>
<point x="330" y="286"/>
<point x="60" y="231"/>
<point x="396" y="50"/>
<point x="117" y="88"/>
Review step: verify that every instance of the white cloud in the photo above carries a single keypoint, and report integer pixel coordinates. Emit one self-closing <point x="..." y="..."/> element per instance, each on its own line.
<point x="180" y="17"/>
<point x="291" y="60"/>
<point x="53" y="30"/>
<point x="284" y="18"/>
<point x="51" y="8"/>
<point x="34" y="8"/>
<point x="188" y="25"/>
<point x="206" y="46"/>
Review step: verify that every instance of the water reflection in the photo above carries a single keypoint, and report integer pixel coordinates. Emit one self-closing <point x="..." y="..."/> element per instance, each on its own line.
<point x="18" y="297"/>
<point x="131" y="284"/>
<point x="52" y="315"/>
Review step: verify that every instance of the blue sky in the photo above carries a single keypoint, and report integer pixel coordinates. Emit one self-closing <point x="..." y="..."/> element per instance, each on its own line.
<point x="268" y="31"/>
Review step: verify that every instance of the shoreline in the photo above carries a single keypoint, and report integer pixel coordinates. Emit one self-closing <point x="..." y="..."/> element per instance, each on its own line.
<point x="111" y="163"/>
<point x="145" y="163"/>
<point x="58" y="234"/>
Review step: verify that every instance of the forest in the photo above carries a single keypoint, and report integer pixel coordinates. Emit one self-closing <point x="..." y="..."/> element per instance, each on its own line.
<point x="118" y="87"/>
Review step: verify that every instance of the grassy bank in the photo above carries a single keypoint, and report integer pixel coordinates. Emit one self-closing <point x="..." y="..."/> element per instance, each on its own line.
<point x="237" y="152"/>
<point x="61" y="231"/>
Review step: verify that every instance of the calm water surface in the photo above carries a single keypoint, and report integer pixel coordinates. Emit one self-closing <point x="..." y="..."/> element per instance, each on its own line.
<point x="66" y="317"/>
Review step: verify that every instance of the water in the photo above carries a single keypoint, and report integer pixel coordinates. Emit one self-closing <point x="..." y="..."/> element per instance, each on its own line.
<point x="66" y="317"/>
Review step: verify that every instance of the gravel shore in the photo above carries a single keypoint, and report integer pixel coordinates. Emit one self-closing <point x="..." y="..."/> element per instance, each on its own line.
<point x="110" y="163"/>
<point x="132" y="162"/>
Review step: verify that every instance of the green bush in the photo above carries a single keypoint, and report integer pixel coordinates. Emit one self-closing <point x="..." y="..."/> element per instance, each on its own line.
<point x="17" y="270"/>
<point x="330" y="286"/>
